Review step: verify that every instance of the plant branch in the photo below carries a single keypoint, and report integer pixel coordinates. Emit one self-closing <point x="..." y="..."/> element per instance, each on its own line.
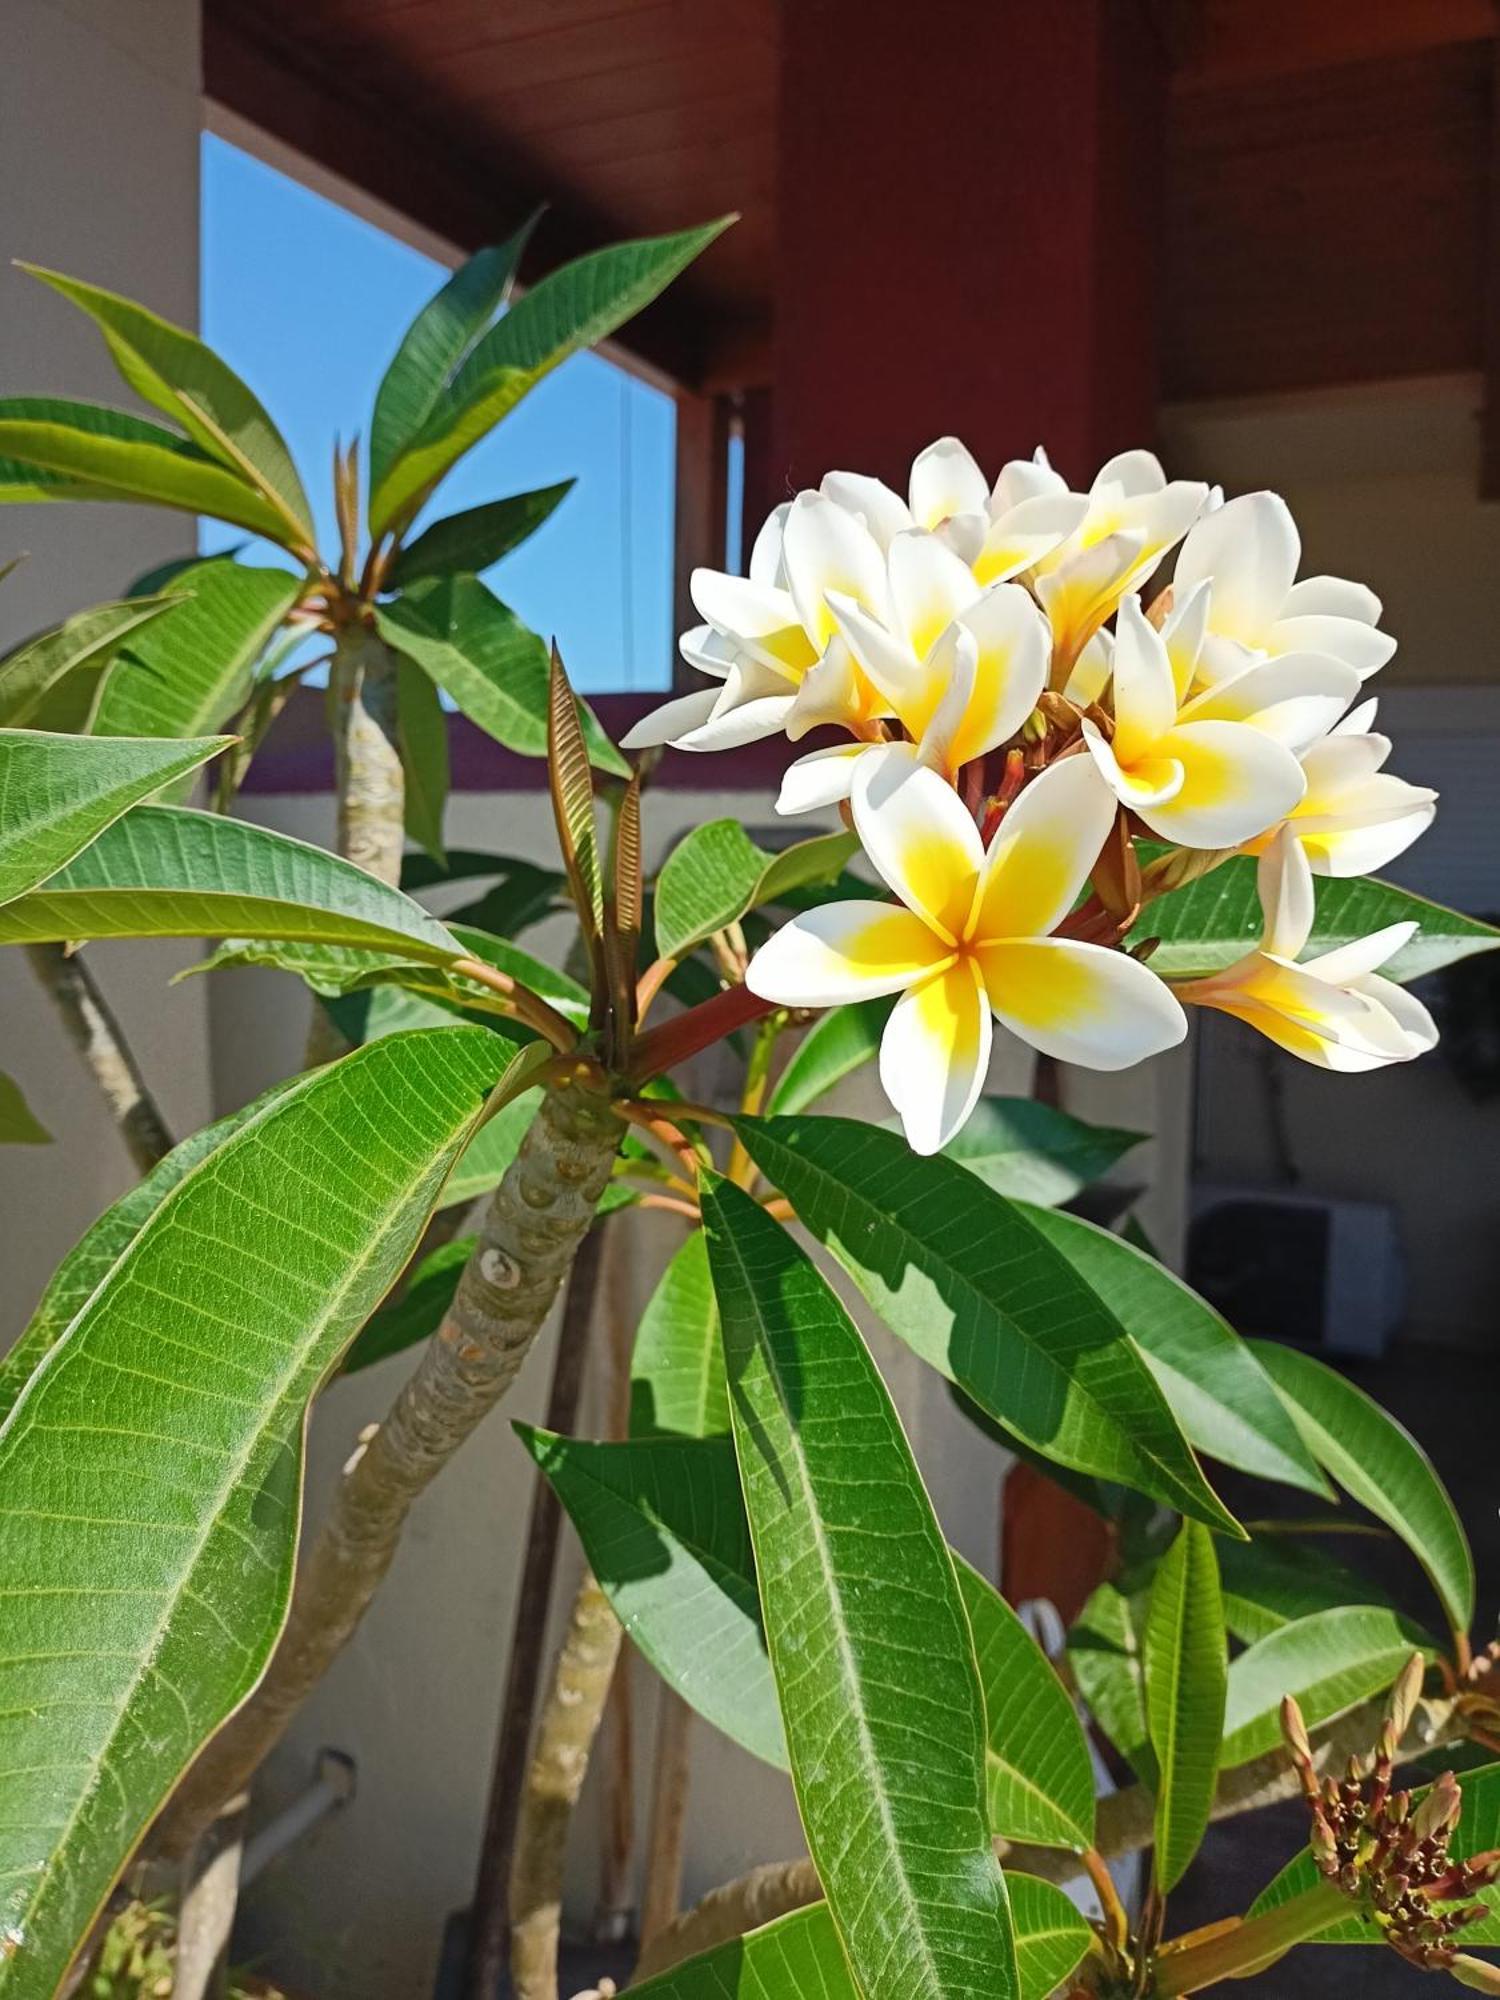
<point x="367" y="761"/>
<point x="536" y="1222"/>
<point x="521" y="1001"/>
<point x="1125" y="1824"/>
<point x="96" y="1034"/>
<point x="1234" y="1951"/>
<point x="698" y="1028"/>
<point x="488" y="1918"/>
<point x="565" y="1738"/>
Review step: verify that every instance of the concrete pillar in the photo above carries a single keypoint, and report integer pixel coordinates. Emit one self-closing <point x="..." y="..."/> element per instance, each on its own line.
<point x="100" y="114"/>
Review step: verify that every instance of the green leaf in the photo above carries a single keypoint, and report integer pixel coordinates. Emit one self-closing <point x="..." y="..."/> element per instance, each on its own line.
<point x="1039" y="1779"/>
<point x="1216" y="1388"/>
<point x="151" y="1471"/>
<point x="422" y="729"/>
<point x="838" y="1043"/>
<point x="190" y="674"/>
<point x="975" y="1285"/>
<point x="677" y="1386"/>
<point x="177" y="374"/>
<point x="166" y="871"/>
<point x="420" y="1309"/>
<point x="807" y="864"/>
<point x="1105" y="1652"/>
<point x="477" y="650"/>
<point x="19" y="1126"/>
<point x="857" y="1588"/>
<point x="799" y="1957"/>
<point x="1033" y="1152"/>
<point x="435" y="344"/>
<point x="1381" y="1466"/>
<point x="1271" y="1581"/>
<point x="76" y="1277"/>
<point x="88" y="641"/>
<point x="521" y="895"/>
<point x="1331" y="1661"/>
<point x="706" y="882"/>
<point x="58" y="793"/>
<point x="663" y="1525"/>
<point x="1186" y="1663"/>
<point x="569" y="310"/>
<point x="464" y="544"/>
<point x="52" y="449"/>
<point x="1477" y="1832"/>
<point x="559" y="988"/>
<point x="1215" y="920"/>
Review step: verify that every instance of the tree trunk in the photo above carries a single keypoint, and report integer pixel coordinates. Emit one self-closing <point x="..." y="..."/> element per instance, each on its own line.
<point x="565" y="1737"/>
<point x="538" y="1216"/>
<point x="97" y="1035"/>
<point x="367" y="760"/>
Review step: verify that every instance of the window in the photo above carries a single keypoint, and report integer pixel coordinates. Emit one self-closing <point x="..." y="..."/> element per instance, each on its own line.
<point x="308" y="301"/>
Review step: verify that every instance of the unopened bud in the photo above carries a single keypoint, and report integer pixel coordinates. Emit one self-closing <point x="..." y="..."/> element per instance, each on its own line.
<point x="1480" y="1870"/>
<point x="1475" y="1974"/>
<point x="1324" y="1847"/>
<point x="1404" y="1698"/>
<point x="1438" y="1812"/>
<point x="1294" y="1730"/>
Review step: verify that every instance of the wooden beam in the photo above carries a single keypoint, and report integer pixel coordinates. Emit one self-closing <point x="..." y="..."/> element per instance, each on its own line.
<point x="255" y="65"/>
<point x="1236" y="41"/>
<point x="1489" y="422"/>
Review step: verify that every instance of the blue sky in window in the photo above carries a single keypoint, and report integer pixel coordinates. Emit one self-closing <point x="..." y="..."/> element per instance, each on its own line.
<point x="308" y="302"/>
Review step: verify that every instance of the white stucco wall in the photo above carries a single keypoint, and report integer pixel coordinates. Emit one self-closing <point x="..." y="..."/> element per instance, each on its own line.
<point x="100" y="110"/>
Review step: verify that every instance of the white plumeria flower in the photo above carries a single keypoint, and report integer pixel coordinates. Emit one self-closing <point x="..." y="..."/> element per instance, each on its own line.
<point x="1334" y="1010"/>
<point x="1134" y="515"/>
<point x="973" y="939"/>
<point x="1356" y="817"/>
<point x="998" y="532"/>
<point x="1250" y="549"/>
<point x="1203" y="775"/>
<point x="961" y="668"/>
<point x="766" y="633"/>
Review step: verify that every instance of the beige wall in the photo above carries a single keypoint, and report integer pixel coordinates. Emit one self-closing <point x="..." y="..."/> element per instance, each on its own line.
<point x="100" y="109"/>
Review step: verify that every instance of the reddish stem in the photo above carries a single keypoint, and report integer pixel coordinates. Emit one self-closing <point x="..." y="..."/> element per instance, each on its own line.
<point x="699" y="1028"/>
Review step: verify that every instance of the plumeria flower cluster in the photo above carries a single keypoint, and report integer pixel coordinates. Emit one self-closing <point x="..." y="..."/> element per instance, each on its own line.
<point x="1016" y="702"/>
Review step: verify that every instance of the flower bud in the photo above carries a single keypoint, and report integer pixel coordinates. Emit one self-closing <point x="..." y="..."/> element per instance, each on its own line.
<point x="1475" y="1974"/>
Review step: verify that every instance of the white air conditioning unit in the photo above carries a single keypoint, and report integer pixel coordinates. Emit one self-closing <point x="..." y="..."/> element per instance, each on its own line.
<point x="1320" y="1273"/>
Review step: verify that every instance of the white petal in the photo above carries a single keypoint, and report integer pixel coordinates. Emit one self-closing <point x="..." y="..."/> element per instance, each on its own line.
<point x="935" y="1053"/>
<point x="765" y="566"/>
<point x="1151" y="781"/>
<point x="883" y="512"/>
<point x="1360" y="646"/>
<point x="1411" y="1018"/>
<point x="1284" y="883"/>
<point x="1023" y="479"/>
<point x="834" y="691"/>
<point x="671" y="721"/>
<point x="1020" y="536"/>
<point x="1363" y="848"/>
<point x="1332" y="597"/>
<point x="731" y="728"/>
<point x="945" y="480"/>
<point x="887" y="662"/>
<point x="843" y="951"/>
<point x="1236" y="783"/>
<point x="930" y="587"/>
<point x="950" y="668"/>
<point x="1091" y="670"/>
<point x="763" y="620"/>
<point x="965" y="535"/>
<point x="1085" y="586"/>
<point x="1080" y="1002"/>
<point x="1132" y="472"/>
<point x="1341" y="765"/>
<point x="1250" y="548"/>
<point x="707" y="650"/>
<point x="826" y="549"/>
<point x="1295" y="697"/>
<point x="821" y="778"/>
<point x="1359" y="721"/>
<point x="1145" y="695"/>
<point x="1043" y="851"/>
<point x="1183" y="631"/>
<point x="919" y="837"/>
<point x="1013" y="648"/>
<point x="1348" y="963"/>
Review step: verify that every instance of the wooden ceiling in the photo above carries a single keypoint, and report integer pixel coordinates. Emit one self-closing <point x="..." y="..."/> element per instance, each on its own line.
<point x="1330" y="161"/>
